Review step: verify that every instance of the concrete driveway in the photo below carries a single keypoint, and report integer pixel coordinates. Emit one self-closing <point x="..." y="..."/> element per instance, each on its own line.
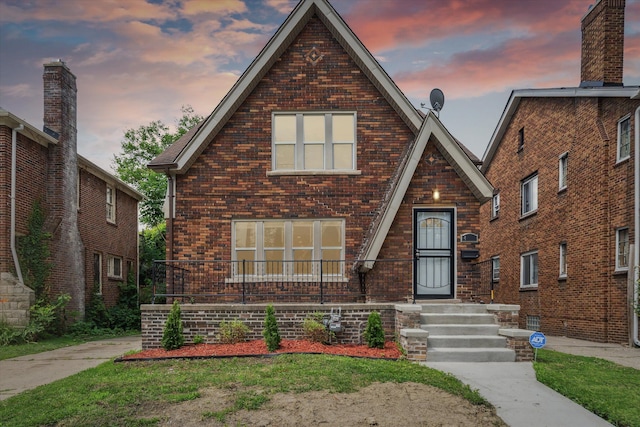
<point x="27" y="372"/>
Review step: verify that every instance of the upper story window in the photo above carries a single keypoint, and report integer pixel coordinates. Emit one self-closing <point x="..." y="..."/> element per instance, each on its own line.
<point x="495" y="205"/>
<point x="521" y="139"/>
<point x="529" y="191"/>
<point x="495" y="268"/>
<point x="288" y="247"/>
<point x="563" y="260"/>
<point x="622" y="249"/>
<point x="624" y="138"/>
<point x="563" y="163"/>
<point x="314" y="141"/>
<point x="111" y="204"/>
<point x="529" y="270"/>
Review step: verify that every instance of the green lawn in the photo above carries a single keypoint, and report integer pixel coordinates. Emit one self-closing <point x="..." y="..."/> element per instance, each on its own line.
<point x="112" y="393"/>
<point x="609" y="390"/>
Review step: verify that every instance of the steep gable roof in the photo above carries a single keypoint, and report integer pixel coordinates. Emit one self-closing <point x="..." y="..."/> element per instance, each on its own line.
<point x="516" y="96"/>
<point x="432" y="129"/>
<point x="181" y="155"/>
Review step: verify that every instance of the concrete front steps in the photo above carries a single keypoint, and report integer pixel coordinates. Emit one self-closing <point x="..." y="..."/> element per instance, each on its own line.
<point x="463" y="333"/>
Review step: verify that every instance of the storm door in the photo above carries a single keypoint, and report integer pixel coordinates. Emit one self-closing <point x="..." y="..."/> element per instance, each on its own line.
<point x="433" y="237"/>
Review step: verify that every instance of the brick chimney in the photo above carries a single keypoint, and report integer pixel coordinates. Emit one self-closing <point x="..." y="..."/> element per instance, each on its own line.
<point x="67" y="249"/>
<point x="603" y="44"/>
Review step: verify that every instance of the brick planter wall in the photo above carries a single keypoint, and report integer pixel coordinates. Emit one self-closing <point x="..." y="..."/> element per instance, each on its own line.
<point x="204" y="320"/>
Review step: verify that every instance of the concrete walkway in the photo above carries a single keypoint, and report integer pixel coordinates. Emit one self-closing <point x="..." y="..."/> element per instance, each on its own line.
<point x="520" y="400"/>
<point x="27" y="372"/>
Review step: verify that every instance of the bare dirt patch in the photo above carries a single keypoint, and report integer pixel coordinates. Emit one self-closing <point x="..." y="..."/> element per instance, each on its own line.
<point x="379" y="404"/>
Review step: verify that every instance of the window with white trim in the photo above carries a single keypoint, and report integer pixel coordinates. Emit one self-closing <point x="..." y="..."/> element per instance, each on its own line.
<point x="111" y="204"/>
<point x="288" y="247"/>
<point x="495" y="205"/>
<point x="314" y="141"/>
<point x="97" y="272"/>
<point x="622" y="249"/>
<point x="529" y="269"/>
<point x="563" y="260"/>
<point x="495" y="268"/>
<point x="529" y="191"/>
<point x="114" y="267"/>
<point x="563" y="164"/>
<point x="624" y="138"/>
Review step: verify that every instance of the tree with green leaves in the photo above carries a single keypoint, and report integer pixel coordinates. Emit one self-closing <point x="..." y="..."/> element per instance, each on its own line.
<point x="139" y="147"/>
<point x="270" y="332"/>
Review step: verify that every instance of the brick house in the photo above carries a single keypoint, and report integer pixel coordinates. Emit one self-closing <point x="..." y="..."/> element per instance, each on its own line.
<point x="315" y="154"/>
<point x="562" y="164"/>
<point x="90" y="214"/>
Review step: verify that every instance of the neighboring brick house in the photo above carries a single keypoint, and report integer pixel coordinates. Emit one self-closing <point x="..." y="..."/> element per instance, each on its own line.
<point x="90" y="214"/>
<point x="316" y="154"/>
<point x="564" y="214"/>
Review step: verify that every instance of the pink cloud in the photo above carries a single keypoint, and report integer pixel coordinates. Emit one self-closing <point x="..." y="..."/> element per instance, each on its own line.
<point x="419" y="22"/>
<point x="515" y="64"/>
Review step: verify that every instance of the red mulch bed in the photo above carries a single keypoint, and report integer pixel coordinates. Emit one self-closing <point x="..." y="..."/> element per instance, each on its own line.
<point x="259" y="348"/>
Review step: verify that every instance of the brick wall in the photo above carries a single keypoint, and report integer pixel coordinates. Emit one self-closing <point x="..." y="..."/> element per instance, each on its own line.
<point x="60" y="115"/>
<point x="204" y="320"/>
<point x="102" y="237"/>
<point x="31" y="160"/>
<point x="230" y="180"/>
<point x="590" y="303"/>
<point x="603" y="43"/>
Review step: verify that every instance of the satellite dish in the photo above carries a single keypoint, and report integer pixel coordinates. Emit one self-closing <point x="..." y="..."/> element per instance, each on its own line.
<point x="437" y="99"/>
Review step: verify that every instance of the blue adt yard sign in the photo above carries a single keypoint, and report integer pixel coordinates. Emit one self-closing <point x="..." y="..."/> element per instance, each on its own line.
<point x="537" y="340"/>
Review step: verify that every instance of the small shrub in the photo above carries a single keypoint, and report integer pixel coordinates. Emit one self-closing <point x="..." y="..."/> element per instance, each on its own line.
<point x="270" y="332"/>
<point x="198" y="339"/>
<point x="374" y="334"/>
<point x="315" y="330"/>
<point x="233" y="332"/>
<point x="172" y="337"/>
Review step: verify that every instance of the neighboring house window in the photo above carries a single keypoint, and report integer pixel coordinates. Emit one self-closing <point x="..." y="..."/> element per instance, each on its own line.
<point x="529" y="190"/>
<point x="97" y="272"/>
<point x="563" y="163"/>
<point x="279" y="247"/>
<point x="111" y="204"/>
<point x="114" y="267"/>
<point x="624" y="138"/>
<point x="563" y="260"/>
<point x="529" y="269"/>
<point x="495" y="205"/>
<point x="314" y="141"/>
<point x="622" y="249"/>
<point x="495" y="268"/>
<point x="520" y="139"/>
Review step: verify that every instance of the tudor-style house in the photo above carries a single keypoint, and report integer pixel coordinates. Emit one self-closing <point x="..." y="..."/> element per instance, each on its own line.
<point x="564" y="212"/>
<point x="315" y="166"/>
<point x="89" y="214"/>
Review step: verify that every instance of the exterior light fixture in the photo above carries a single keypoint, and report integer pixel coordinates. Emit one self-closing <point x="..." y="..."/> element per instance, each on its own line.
<point x="436" y="195"/>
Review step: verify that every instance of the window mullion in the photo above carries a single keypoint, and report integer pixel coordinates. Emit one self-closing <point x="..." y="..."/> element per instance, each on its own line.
<point x="299" y="150"/>
<point x="328" y="142"/>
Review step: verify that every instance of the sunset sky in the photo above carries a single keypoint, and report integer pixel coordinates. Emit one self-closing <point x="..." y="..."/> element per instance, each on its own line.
<point x="137" y="61"/>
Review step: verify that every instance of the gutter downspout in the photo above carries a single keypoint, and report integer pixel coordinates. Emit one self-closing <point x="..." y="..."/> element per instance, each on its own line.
<point x="14" y="149"/>
<point x="170" y="228"/>
<point x="636" y="241"/>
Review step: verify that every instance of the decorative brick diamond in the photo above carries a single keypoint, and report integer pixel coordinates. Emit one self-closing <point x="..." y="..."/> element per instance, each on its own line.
<point x="314" y="56"/>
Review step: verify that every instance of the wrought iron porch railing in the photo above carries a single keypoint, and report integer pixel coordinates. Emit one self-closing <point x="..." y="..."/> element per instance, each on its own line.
<point x="280" y="281"/>
<point x="484" y="288"/>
